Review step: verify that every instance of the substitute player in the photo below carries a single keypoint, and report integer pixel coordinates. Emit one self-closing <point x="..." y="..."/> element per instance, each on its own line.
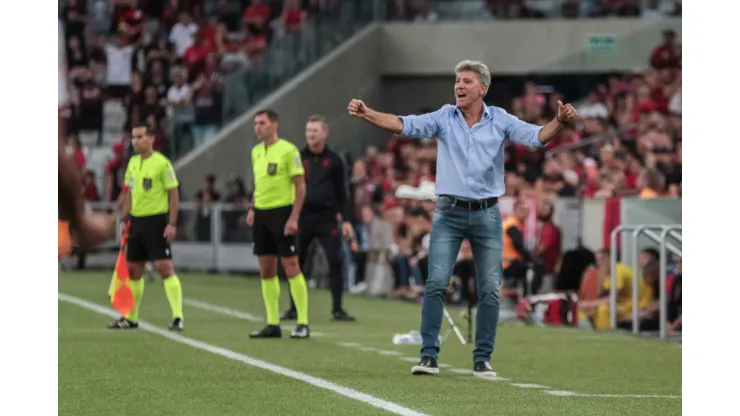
<point x="327" y="201"/>
<point x="151" y="208"/>
<point x="279" y="191"/>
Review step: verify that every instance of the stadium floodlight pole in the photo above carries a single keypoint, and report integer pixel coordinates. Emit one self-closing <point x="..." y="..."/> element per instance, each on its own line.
<point x="454" y="326"/>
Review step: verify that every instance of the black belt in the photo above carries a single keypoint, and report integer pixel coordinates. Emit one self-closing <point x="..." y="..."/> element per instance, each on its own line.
<point x="475" y="205"/>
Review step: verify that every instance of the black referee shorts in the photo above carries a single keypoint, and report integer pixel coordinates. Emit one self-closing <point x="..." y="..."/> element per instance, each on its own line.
<point x="269" y="233"/>
<point x="146" y="240"/>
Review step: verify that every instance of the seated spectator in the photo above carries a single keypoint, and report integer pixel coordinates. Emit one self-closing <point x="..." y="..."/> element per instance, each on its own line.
<point x="596" y="312"/>
<point x="594" y="107"/>
<point x="378" y="275"/>
<point x="652" y="183"/>
<point x="204" y="198"/>
<point x="548" y="249"/>
<point x="517" y="260"/>
<point x="89" y="188"/>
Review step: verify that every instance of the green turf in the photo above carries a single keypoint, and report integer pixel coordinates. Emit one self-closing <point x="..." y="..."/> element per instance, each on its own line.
<point x="134" y="373"/>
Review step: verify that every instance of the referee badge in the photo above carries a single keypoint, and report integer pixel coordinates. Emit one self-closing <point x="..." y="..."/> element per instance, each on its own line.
<point x="272" y="169"/>
<point x="171" y="174"/>
<point x="298" y="162"/>
<point x="147" y="183"/>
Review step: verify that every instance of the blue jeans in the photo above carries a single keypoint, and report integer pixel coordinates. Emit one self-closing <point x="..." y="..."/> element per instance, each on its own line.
<point x="484" y="231"/>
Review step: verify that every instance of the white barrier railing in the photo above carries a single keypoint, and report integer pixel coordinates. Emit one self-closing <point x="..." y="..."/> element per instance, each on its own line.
<point x="638" y="231"/>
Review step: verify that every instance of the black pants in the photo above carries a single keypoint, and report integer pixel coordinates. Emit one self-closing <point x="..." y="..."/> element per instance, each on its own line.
<point x="515" y="275"/>
<point x="325" y="229"/>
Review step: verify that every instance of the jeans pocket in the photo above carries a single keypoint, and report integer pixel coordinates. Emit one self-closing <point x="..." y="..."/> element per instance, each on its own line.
<point x="444" y="204"/>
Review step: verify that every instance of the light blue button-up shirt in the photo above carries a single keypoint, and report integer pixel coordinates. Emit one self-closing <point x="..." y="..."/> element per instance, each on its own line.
<point x="470" y="160"/>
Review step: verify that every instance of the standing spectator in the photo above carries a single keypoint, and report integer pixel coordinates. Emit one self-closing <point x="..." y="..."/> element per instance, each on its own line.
<point x="160" y="141"/>
<point x="292" y="16"/>
<point x="91" y="106"/>
<point x="628" y="8"/>
<point x="195" y="55"/>
<point x="653" y="182"/>
<point x="74" y="149"/>
<point x="182" y="34"/>
<point x="667" y="54"/>
<point x="74" y="16"/>
<point x="119" y="58"/>
<point x="205" y="198"/>
<point x="114" y="172"/>
<point x="257" y="14"/>
<point x="76" y="57"/>
<point x="548" y="248"/>
<point x="207" y="102"/>
<point x="151" y="104"/>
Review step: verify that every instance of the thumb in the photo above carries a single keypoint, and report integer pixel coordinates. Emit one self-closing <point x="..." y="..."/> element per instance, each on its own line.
<point x="560" y="104"/>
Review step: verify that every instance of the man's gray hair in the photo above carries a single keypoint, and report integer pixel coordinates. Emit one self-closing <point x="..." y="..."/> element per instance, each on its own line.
<point x="479" y="68"/>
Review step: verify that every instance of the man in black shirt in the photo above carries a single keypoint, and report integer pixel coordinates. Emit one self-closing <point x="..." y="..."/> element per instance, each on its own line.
<point x="327" y="203"/>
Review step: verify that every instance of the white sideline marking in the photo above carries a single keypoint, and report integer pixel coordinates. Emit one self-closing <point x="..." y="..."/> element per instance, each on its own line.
<point x="562" y="393"/>
<point x="529" y="386"/>
<point x="222" y="310"/>
<point x="237" y="314"/>
<point x="442" y="365"/>
<point x="411" y="359"/>
<point x="368" y="349"/>
<point x="349" y="344"/>
<point x="388" y="352"/>
<point x="492" y="378"/>
<point x="314" y="381"/>
<point x="461" y="370"/>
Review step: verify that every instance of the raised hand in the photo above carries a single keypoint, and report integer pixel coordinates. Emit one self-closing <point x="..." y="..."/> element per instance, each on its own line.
<point x="357" y="108"/>
<point x="566" y="113"/>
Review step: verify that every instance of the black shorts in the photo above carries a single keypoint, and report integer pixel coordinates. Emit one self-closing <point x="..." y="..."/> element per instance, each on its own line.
<point x="146" y="240"/>
<point x="269" y="233"/>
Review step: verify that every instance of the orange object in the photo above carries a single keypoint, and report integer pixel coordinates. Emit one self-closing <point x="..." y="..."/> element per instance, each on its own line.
<point x="65" y="239"/>
<point x="510" y="252"/>
<point x="122" y="298"/>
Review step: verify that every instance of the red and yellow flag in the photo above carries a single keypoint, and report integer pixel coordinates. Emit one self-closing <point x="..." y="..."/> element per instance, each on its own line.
<point x="121" y="296"/>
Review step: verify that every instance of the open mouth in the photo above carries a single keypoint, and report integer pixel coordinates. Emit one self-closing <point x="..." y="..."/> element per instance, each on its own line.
<point x="461" y="94"/>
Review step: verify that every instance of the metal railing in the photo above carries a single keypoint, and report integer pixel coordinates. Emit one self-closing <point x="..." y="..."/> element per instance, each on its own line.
<point x="637" y="231"/>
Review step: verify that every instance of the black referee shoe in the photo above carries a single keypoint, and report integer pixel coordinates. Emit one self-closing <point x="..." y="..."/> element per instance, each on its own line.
<point x="177" y="325"/>
<point x="270" y="331"/>
<point x="123" y="323"/>
<point x="301" y="331"/>
<point x="426" y="366"/>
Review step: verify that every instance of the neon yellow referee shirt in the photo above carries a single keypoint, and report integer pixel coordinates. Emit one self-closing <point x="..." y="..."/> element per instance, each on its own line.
<point x="149" y="181"/>
<point x="274" y="167"/>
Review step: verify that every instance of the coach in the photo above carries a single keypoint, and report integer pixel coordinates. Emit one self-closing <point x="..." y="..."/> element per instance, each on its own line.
<point x="327" y="202"/>
<point x="470" y="178"/>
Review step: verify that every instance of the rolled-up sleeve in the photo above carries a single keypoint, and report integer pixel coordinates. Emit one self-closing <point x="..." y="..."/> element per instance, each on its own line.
<point x="421" y="126"/>
<point x="519" y="132"/>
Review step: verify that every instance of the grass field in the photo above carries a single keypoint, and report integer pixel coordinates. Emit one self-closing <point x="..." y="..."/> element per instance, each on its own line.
<point x="213" y="368"/>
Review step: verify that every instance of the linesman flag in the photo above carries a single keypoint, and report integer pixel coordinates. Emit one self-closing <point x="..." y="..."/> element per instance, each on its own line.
<point x="120" y="294"/>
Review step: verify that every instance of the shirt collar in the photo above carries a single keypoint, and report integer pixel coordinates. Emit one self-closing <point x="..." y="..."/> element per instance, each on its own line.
<point x="486" y="112"/>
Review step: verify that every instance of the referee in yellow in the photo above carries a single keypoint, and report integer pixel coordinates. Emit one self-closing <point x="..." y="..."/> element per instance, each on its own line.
<point x="151" y="206"/>
<point x="279" y="192"/>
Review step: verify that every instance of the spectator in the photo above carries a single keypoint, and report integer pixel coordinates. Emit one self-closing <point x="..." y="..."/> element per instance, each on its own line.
<point x="257" y="14"/>
<point x="207" y="100"/>
<point x="628" y="8"/>
<point x="423" y="12"/>
<point x="119" y="59"/>
<point x="548" y="248"/>
<point x="91" y="105"/>
<point x="205" y="198"/>
<point x="194" y="57"/>
<point x="667" y="54"/>
<point x="183" y="33"/>
<point x="160" y="141"/>
<point x="238" y="199"/>
<point x="76" y="57"/>
<point x="652" y="184"/>
<point x="89" y="188"/>
<point x="74" y="16"/>
<point x="115" y="170"/>
<point x="74" y="149"/>
<point x="656" y="9"/>
<point x="378" y="275"/>
<point x="292" y="16"/>
<point x="594" y="107"/>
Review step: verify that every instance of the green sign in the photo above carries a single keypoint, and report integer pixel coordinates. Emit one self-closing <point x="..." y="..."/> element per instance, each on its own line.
<point x="601" y="44"/>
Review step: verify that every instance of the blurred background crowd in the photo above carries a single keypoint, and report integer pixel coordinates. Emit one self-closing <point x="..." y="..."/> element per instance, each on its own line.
<point x="164" y="62"/>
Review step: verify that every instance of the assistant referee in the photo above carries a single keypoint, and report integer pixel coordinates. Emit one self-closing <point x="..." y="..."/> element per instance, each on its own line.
<point x="327" y="202"/>
<point x="150" y="209"/>
<point x="279" y="191"/>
